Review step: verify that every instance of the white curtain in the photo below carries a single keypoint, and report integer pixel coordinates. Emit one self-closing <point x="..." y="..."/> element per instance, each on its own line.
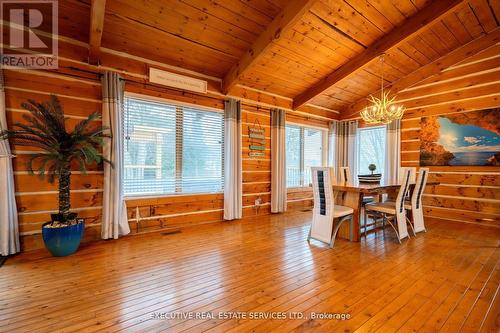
<point x="346" y="146"/>
<point x="332" y="142"/>
<point x="233" y="188"/>
<point x="278" y="161"/>
<point x="392" y="151"/>
<point x="9" y="230"/>
<point x="114" y="212"/>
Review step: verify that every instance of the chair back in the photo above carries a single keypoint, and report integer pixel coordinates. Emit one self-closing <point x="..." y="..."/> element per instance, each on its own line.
<point x="405" y="186"/>
<point x="413" y="174"/>
<point x="416" y="200"/>
<point x="345" y="176"/>
<point x="322" y="224"/>
<point x="400" y="204"/>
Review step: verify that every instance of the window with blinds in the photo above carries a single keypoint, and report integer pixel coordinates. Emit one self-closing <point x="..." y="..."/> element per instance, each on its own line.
<point x="171" y="148"/>
<point x="304" y="149"/>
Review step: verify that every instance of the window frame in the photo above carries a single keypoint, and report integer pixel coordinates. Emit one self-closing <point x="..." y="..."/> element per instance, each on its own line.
<point x="178" y="156"/>
<point x="323" y="148"/>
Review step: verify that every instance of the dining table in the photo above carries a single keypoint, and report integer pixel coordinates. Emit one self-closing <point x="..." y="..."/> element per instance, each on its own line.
<point x="351" y="194"/>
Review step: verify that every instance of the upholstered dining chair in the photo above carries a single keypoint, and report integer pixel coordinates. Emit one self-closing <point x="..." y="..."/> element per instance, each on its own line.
<point x="395" y="212"/>
<point x="327" y="217"/>
<point x="346" y="177"/>
<point x="415" y="205"/>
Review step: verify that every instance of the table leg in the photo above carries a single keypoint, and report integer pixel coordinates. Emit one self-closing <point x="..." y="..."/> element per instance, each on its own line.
<point x="353" y="200"/>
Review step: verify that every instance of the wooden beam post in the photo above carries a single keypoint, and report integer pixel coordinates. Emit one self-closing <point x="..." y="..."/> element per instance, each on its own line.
<point x="413" y="25"/>
<point x="285" y="20"/>
<point x="96" y="25"/>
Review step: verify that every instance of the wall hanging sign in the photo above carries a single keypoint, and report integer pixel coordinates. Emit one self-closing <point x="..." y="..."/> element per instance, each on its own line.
<point x="257" y="139"/>
<point x="177" y="80"/>
<point x="466" y="138"/>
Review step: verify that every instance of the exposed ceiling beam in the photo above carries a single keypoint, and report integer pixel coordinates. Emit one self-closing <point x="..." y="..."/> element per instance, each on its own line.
<point x="285" y="20"/>
<point x="96" y="24"/>
<point x="412" y="26"/>
<point x="437" y="66"/>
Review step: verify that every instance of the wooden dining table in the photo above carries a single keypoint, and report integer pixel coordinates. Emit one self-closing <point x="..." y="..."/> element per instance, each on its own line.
<point x="351" y="195"/>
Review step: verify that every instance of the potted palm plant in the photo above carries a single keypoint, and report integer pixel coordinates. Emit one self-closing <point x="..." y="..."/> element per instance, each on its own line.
<point x="59" y="149"/>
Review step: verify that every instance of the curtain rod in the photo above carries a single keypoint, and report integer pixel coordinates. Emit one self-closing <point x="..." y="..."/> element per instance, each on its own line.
<point x="98" y="74"/>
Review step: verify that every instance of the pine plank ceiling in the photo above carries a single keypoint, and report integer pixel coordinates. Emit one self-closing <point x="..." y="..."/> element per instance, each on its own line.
<point x="310" y="40"/>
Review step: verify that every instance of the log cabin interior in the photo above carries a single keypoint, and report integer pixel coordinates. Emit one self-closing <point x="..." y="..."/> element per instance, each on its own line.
<point x="253" y="185"/>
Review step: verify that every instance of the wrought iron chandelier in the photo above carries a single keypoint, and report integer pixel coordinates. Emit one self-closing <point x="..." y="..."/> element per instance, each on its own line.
<point x="384" y="109"/>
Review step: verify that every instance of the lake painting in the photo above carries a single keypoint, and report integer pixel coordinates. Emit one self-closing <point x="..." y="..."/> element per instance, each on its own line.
<point x="467" y="138"/>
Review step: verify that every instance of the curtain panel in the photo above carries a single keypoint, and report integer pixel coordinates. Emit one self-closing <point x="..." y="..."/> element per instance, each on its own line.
<point x="233" y="188"/>
<point x="393" y="151"/>
<point x="114" y="212"/>
<point x="278" y="161"/>
<point x="332" y="143"/>
<point x="9" y="229"/>
<point x="345" y="146"/>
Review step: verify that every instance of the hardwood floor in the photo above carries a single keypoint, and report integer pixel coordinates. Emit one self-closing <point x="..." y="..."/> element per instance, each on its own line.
<point x="445" y="280"/>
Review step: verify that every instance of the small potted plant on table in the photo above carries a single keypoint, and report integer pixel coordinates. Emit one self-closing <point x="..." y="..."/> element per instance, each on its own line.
<point x="45" y="130"/>
<point x="372" y="178"/>
<point x="372" y="167"/>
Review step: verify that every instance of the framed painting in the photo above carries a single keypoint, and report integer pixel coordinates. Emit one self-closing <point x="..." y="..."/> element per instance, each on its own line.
<point x="466" y="138"/>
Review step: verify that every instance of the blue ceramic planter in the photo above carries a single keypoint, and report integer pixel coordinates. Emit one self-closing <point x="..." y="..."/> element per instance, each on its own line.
<point x="62" y="242"/>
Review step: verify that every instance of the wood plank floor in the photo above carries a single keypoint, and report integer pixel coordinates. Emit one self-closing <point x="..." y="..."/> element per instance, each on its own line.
<point x="445" y="280"/>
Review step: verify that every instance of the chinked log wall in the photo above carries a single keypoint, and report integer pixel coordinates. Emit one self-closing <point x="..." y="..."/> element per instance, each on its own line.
<point x="79" y="89"/>
<point x="466" y="193"/>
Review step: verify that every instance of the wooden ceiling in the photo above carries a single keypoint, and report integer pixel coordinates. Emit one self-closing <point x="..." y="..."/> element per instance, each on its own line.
<point x="322" y="52"/>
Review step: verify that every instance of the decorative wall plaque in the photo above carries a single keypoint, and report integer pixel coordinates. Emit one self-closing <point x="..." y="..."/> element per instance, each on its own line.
<point x="176" y="80"/>
<point x="257" y="139"/>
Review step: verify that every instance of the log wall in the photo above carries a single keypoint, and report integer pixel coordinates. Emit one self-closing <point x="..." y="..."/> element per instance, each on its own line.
<point x="469" y="82"/>
<point x="78" y="87"/>
<point x="469" y="193"/>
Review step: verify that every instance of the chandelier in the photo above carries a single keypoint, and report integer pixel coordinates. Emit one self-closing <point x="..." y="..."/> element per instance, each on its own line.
<point x="384" y="109"/>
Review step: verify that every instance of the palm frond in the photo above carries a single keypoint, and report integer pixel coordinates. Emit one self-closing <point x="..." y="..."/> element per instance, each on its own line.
<point x="40" y="111"/>
<point x="82" y="125"/>
<point x="35" y="125"/>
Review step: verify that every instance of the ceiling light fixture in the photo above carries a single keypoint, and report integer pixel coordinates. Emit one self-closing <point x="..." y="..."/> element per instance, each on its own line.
<point x="384" y="109"/>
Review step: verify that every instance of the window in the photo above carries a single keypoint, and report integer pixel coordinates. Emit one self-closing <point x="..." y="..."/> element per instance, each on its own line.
<point x="171" y="149"/>
<point x="371" y="149"/>
<point x="303" y="150"/>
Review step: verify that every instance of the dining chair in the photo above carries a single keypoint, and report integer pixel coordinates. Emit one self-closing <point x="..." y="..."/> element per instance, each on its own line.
<point x="327" y="217"/>
<point x="346" y="177"/>
<point x="415" y="205"/>
<point x="395" y="212"/>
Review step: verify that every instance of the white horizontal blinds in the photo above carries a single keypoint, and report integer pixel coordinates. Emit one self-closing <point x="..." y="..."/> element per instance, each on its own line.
<point x="313" y="143"/>
<point x="149" y="157"/>
<point x="171" y="149"/>
<point x="371" y="149"/>
<point x="293" y="156"/>
<point x="202" y="154"/>
<point x="303" y="151"/>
